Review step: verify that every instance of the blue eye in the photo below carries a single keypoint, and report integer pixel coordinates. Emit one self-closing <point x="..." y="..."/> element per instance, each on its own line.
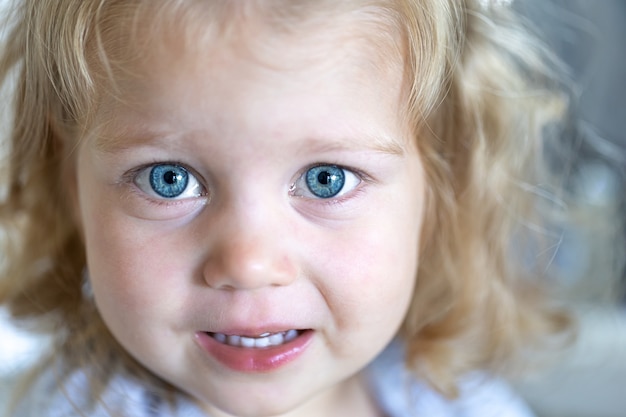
<point x="168" y="181"/>
<point x="325" y="181"/>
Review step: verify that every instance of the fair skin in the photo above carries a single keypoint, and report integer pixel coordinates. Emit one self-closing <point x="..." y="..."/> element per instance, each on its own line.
<point x="247" y="247"/>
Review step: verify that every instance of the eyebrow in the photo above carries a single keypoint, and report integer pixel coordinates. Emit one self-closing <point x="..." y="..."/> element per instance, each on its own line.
<point x="373" y="143"/>
<point x="125" y="139"/>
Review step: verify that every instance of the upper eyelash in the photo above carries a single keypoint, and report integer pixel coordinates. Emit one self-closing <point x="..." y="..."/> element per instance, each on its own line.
<point x="359" y="173"/>
<point x="129" y="175"/>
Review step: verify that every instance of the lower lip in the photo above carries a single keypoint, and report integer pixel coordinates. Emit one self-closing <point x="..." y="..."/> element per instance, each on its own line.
<point x="255" y="359"/>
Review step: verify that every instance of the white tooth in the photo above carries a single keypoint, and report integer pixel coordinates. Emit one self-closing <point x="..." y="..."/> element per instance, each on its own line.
<point x="276" y="339"/>
<point x="291" y="334"/>
<point x="234" y="340"/>
<point x="247" y="342"/>
<point x="262" y="342"/>
<point x="220" y="337"/>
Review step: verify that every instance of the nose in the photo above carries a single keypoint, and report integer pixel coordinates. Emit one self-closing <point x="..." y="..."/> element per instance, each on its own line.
<point x="248" y="254"/>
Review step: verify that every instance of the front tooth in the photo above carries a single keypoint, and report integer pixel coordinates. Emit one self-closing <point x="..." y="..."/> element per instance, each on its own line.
<point x="247" y="342"/>
<point x="262" y="342"/>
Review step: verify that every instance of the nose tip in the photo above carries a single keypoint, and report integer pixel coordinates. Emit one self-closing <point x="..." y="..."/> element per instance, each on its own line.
<point x="248" y="265"/>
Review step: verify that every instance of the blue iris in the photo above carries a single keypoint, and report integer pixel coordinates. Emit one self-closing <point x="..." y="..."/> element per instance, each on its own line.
<point x="169" y="181"/>
<point x="325" y="181"/>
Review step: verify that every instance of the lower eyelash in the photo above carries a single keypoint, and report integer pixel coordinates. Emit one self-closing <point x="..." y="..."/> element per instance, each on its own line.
<point x="335" y="203"/>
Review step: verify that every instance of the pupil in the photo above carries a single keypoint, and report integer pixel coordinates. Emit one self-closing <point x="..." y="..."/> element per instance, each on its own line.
<point x="324" y="177"/>
<point x="170" y="177"/>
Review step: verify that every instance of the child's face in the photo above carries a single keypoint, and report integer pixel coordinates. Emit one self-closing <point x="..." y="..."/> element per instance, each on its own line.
<point x="232" y="193"/>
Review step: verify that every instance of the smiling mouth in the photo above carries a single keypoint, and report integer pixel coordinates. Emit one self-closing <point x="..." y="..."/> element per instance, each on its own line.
<point x="262" y="341"/>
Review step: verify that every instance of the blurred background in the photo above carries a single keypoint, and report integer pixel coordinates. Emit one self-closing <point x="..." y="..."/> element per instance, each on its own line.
<point x="588" y="379"/>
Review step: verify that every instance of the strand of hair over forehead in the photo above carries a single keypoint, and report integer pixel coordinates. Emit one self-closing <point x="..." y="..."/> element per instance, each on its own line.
<point x="63" y="45"/>
<point x="59" y="47"/>
<point x="434" y="36"/>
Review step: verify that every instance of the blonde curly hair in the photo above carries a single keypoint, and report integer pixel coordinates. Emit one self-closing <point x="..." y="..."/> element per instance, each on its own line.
<point x="480" y="93"/>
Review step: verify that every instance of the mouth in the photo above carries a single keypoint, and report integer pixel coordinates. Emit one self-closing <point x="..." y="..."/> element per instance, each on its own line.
<point x="246" y="352"/>
<point x="261" y="341"/>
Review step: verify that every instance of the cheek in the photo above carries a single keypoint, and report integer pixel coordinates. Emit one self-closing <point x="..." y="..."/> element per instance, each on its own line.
<point x="370" y="273"/>
<point x="133" y="270"/>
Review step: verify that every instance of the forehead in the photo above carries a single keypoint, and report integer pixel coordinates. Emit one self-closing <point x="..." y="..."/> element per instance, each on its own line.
<point x="277" y="34"/>
<point x="165" y="46"/>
